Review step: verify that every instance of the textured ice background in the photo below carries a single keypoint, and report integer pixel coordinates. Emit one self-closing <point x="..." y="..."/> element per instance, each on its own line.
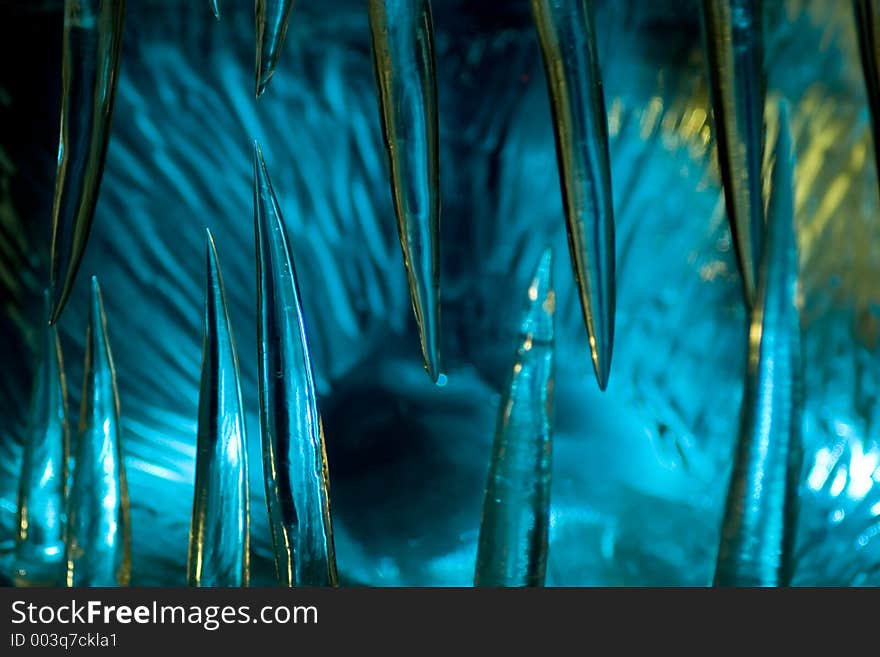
<point x="640" y="471"/>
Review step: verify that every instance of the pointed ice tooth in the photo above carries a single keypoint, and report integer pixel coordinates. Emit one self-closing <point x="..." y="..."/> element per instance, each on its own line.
<point x="42" y="491"/>
<point x="403" y="57"/>
<point x="219" y="538"/>
<point x="733" y="36"/>
<point x="294" y="457"/>
<point x="89" y="68"/>
<point x="512" y="548"/>
<point x="215" y="7"/>
<point x="568" y="43"/>
<point x="272" y="17"/>
<point x="98" y="549"/>
<point x="760" y="519"/>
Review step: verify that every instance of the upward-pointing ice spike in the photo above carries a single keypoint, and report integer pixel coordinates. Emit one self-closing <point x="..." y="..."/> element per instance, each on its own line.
<point x="89" y="70"/>
<point x="403" y="57"/>
<point x="42" y="491"/>
<point x="733" y="36"/>
<point x="271" y="17"/>
<point x="760" y="519"/>
<point x="98" y="539"/>
<point x="512" y="548"/>
<point x="568" y="43"/>
<point x="219" y="539"/>
<point x="294" y="457"/>
<point x="867" y="15"/>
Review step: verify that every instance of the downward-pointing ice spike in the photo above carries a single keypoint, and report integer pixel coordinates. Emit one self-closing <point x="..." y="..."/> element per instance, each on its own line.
<point x="761" y="515"/>
<point x="867" y="15"/>
<point x="42" y="490"/>
<point x="98" y="539"/>
<point x="734" y="45"/>
<point x="272" y="17"/>
<point x="403" y="57"/>
<point x="568" y="43"/>
<point x="215" y="7"/>
<point x="294" y="457"/>
<point x="219" y="539"/>
<point x="512" y="548"/>
<point x="89" y="69"/>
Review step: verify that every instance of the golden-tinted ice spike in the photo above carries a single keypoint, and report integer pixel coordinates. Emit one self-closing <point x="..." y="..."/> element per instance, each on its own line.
<point x="760" y="519"/>
<point x="42" y="491"/>
<point x="272" y="17"/>
<point x="733" y="37"/>
<point x="294" y="457"/>
<point x="568" y="43"/>
<point x="219" y="539"/>
<point x="512" y="549"/>
<point x="867" y="15"/>
<point x="98" y="549"/>
<point x="403" y="57"/>
<point x="89" y="69"/>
